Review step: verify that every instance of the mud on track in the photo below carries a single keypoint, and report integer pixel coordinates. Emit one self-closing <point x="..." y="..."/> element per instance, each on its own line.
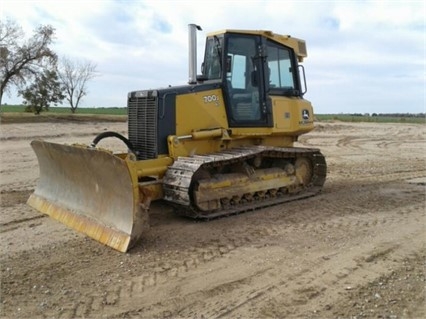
<point x="355" y="250"/>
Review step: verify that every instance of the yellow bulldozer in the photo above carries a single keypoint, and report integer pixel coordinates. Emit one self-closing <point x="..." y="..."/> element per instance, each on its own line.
<point x="219" y="145"/>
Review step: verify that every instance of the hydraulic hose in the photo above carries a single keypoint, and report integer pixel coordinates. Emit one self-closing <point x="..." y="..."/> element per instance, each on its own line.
<point x="103" y="135"/>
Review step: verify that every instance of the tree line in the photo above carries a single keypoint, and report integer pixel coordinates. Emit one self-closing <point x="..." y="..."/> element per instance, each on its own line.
<point x="40" y="76"/>
<point x="419" y="115"/>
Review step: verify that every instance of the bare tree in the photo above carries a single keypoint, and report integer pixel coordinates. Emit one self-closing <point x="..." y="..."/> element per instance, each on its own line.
<point x="74" y="76"/>
<point x="22" y="60"/>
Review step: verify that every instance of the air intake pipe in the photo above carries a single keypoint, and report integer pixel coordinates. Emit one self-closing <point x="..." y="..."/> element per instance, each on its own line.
<point x="192" y="33"/>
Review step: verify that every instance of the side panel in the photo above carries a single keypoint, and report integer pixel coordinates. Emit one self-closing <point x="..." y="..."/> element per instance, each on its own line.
<point x="200" y="123"/>
<point x="152" y="116"/>
<point x="200" y="111"/>
<point x="293" y="116"/>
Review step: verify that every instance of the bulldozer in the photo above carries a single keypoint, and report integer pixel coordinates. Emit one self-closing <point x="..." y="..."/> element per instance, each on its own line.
<point x="219" y="145"/>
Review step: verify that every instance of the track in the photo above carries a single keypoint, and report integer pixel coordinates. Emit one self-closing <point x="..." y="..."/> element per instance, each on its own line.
<point x="355" y="249"/>
<point x="243" y="179"/>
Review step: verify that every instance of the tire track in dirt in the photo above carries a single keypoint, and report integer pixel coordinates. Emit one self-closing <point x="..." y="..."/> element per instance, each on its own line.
<point x="377" y="144"/>
<point x="299" y="293"/>
<point x="383" y="296"/>
<point x="22" y="187"/>
<point x="17" y="223"/>
<point x="15" y="213"/>
<point x="12" y="197"/>
<point x="355" y="209"/>
<point x="339" y="220"/>
<point x="137" y="286"/>
<point x="309" y="282"/>
<point x="388" y="138"/>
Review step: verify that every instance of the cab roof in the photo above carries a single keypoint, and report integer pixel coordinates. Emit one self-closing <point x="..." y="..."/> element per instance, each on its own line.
<point x="298" y="45"/>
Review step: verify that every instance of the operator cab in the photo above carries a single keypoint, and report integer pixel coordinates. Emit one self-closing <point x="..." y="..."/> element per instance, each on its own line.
<point x="251" y="67"/>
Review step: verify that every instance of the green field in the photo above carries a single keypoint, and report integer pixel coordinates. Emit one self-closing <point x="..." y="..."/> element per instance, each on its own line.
<point x="16" y="113"/>
<point x="66" y="110"/>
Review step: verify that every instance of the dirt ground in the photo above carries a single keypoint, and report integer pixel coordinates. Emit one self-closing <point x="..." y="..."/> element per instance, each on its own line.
<point x="357" y="250"/>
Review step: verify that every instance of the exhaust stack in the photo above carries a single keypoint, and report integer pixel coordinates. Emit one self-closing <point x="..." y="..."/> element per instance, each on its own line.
<point x="192" y="35"/>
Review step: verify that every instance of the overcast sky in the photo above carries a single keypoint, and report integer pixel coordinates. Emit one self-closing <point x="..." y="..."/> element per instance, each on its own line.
<point x="363" y="56"/>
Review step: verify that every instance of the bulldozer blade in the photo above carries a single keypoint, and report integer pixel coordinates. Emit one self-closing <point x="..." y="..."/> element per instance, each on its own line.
<point x="91" y="191"/>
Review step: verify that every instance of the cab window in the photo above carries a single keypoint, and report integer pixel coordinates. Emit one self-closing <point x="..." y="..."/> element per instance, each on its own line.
<point x="212" y="61"/>
<point x="280" y="68"/>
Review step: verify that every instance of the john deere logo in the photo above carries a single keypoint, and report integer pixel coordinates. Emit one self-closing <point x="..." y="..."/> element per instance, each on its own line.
<point x="305" y="114"/>
<point x="306" y="118"/>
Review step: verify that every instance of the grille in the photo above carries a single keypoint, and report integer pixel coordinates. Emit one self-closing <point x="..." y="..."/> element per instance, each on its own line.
<point x="142" y="121"/>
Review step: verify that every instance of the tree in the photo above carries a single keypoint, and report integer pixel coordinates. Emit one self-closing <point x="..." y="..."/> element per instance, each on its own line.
<point x="46" y="89"/>
<point x="20" y="60"/>
<point x="74" y="76"/>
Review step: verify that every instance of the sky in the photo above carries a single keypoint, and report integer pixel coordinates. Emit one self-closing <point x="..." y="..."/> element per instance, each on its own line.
<point x="363" y="56"/>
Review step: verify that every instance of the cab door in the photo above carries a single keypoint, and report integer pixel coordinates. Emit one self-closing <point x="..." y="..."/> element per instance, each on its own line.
<point x="244" y="83"/>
